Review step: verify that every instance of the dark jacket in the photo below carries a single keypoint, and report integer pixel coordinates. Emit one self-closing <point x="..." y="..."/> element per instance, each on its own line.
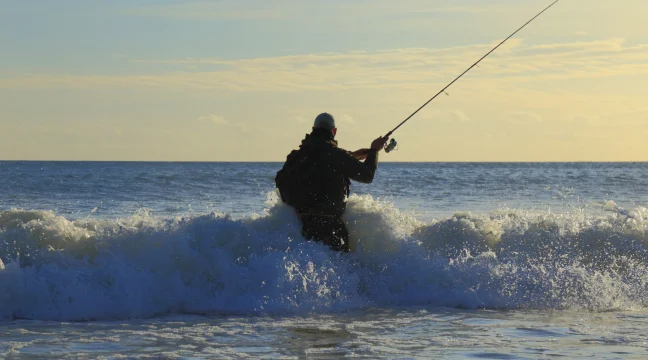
<point x="336" y="167"/>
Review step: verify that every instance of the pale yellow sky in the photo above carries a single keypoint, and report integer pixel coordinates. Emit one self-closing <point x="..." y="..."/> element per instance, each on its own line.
<point x="212" y="81"/>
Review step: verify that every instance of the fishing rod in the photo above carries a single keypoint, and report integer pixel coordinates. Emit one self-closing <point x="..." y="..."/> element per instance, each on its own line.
<point x="392" y="144"/>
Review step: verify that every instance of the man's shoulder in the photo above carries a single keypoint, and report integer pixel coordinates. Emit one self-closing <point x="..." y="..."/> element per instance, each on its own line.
<point x="328" y="148"/>
<point x="336" y="151"/>
<point x="292" y="155"/>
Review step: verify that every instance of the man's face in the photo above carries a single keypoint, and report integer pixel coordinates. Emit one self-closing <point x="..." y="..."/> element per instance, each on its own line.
<point x="334" y="131"/>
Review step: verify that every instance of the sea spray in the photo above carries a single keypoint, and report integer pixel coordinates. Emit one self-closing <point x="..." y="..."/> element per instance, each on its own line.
<point x="143" y="265"/>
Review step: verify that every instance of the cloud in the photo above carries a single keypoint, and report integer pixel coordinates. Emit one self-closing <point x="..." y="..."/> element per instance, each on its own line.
<point x="445" y="116"/>
<point x="215" y="10"/>
<point x="587" y="120"/>
<point x="309" y="11"/>
<point x="574" y="49"/>
<point x="459" y="115"/>
<point x="346" y="119"/>
<point x="299" y="119"/>
<point x="230" y="126"/>
<point x="524" y="118"/>
<point x="411" y="68"/>
<point x="215" y="119"/>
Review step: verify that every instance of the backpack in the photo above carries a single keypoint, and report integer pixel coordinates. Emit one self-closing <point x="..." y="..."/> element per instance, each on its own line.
<point x="299" y="180"/>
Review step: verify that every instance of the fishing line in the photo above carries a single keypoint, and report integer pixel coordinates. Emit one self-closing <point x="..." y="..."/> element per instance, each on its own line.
<point x="393" y="142"/>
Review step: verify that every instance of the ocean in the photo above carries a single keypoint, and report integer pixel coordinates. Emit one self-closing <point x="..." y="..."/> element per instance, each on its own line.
<point x="201" y="260"/>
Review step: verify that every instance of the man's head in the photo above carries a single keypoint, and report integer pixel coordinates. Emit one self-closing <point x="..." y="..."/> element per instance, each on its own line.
<point x="325" y="121"/>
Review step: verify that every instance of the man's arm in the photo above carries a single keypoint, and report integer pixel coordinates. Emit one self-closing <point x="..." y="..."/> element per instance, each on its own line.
<point x="359" y="171"/>
<point x="360" y="154"/>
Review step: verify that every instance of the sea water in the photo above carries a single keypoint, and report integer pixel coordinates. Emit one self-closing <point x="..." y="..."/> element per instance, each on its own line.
<point x="201" y="260"/>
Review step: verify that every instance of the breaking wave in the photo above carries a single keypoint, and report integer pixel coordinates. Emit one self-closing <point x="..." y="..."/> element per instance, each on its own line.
<point x="52" y="268"/>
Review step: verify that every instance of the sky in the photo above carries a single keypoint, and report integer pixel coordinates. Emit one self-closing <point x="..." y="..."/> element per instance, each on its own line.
<point x="242" y="80"/>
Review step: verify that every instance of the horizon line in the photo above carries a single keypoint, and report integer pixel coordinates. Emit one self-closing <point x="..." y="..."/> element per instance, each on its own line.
<point x="382" y="162"/>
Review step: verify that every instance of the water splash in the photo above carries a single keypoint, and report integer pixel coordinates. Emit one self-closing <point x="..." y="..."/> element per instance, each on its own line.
<point x="142" y="265"/>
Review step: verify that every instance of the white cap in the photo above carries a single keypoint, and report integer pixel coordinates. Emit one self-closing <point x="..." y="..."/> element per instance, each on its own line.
<point x="324" y="121"/>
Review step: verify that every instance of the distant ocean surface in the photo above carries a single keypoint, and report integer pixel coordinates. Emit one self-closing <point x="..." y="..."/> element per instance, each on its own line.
<point x="200" y="260"/>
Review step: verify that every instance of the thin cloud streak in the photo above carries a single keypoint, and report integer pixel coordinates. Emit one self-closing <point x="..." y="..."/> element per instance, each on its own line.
<point x="219" y="10"/>
<point x="396" y="68"/>
<point x="215" y="119"/>
<point x="295" y="9"/>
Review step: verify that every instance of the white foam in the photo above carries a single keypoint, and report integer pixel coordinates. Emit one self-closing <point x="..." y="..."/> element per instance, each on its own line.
<point x="140" y="266"/>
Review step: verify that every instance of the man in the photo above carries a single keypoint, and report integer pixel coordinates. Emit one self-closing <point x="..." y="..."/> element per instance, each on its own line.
<point x="315" y="180"/>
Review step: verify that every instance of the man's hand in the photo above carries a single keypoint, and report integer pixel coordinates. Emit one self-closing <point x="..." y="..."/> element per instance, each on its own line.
<point x="360" y="154"/>
<point x="379" y="143"/>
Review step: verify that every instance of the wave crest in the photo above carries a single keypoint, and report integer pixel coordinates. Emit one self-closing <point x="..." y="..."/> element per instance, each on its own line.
<point x="57" y="269"/>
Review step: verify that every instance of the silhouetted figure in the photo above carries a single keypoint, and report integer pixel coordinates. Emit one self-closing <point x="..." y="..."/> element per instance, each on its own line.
<point x="315" y="181"/>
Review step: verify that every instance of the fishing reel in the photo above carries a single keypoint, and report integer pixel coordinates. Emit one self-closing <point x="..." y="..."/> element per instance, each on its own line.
<point x="391" y="146"/>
